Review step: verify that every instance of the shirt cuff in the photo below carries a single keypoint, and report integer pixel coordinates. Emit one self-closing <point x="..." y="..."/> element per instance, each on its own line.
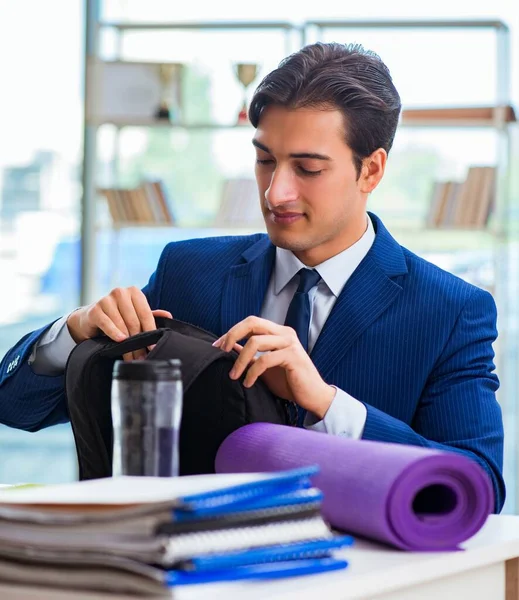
<point x="346" y="417"/>
<point x="50" y="353"/>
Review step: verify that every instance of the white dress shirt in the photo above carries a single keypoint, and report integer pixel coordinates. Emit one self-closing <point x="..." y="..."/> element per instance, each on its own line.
<point x="346" y="415"/>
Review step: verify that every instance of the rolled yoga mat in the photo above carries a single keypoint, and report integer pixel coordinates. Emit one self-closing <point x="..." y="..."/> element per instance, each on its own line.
<point x="410" y="497"/>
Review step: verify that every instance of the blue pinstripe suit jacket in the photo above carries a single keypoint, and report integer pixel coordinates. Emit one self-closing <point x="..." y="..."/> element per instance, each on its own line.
<point x="409" y="340"/>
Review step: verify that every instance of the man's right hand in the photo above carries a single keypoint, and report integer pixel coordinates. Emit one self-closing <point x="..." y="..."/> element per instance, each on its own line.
<point x="123" y="313"/>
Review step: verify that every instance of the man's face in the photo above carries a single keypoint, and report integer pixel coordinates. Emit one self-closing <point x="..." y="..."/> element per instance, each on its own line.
<point x="312" y="201"/>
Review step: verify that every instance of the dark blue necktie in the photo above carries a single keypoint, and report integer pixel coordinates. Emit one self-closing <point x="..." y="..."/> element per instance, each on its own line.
<point x="298" y="317"/>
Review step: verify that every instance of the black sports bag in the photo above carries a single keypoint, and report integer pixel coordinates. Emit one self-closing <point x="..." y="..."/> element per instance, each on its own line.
<point x="214" y="404"/>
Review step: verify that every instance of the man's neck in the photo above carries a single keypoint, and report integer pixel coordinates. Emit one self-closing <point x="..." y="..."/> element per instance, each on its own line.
<point x="316" y="256"/>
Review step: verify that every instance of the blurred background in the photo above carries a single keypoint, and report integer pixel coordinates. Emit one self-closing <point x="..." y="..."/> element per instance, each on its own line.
<point x="93" y="183"/>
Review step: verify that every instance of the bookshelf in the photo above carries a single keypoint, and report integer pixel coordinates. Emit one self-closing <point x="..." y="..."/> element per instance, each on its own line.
<point x="95" y="123"/>
<point x="497" y="117"/>
<point x="459" y="116"/>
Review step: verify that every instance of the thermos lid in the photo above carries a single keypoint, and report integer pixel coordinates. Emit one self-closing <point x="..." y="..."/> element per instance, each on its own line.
<point x="143" y="370"/>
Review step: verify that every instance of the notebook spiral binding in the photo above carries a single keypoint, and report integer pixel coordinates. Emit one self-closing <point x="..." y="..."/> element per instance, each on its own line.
<point x="186" y="546"/>
<point x="294" y="551"/>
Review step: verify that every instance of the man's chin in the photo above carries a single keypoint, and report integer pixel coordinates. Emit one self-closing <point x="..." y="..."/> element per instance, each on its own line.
<point x="287" y="242"/>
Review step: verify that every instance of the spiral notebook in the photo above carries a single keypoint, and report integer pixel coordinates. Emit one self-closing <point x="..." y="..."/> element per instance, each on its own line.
<point x="169" y="532"/>
<point x="124" y="503"/>
<point x="126" y="576"/>
<point x="161" y="550"/>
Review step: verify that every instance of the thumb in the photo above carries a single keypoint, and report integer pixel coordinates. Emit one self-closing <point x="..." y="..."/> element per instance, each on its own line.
<point x="162" y="313"/>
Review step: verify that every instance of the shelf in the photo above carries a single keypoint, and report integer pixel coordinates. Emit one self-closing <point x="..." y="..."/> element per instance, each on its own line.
<point x="139" y="224"/>
<point x="477" y="116"/>
<point x="410" y="24"/>
<point x="140" y="26"/>
<point x="324" y="24"/>
<point x="235" y="228"/>
<point x="150" y="122"/>
<point x="460" y="116"/>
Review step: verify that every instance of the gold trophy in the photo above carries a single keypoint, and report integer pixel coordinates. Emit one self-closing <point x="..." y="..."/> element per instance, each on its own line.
<point x="168" y="106"/>
<point x="246" y="74"/>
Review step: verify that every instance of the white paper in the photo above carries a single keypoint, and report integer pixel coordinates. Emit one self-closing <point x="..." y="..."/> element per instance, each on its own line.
<point x="125" y="490"/>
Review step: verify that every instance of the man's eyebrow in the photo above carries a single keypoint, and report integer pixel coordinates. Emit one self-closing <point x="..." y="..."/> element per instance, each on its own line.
<point x="310" y="155"/>
<point x="261" y="146"/>
<point x="313" y="155"/>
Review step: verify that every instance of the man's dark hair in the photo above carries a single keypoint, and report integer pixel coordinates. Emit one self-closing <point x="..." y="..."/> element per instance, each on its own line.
<point x="342" y="76"/>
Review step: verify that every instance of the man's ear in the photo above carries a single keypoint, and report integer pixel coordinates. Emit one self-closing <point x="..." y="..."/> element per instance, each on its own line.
<point x="373" y="167"/>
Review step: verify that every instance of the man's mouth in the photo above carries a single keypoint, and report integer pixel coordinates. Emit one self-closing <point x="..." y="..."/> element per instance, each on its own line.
<point x="285" y="218"/>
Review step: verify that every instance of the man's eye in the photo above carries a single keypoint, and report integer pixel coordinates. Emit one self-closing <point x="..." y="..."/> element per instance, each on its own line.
<point x="309" y="173"/>
<point x="267" y="161"/>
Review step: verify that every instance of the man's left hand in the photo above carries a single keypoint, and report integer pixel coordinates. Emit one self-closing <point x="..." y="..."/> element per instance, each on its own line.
<point x="285" y="366"/>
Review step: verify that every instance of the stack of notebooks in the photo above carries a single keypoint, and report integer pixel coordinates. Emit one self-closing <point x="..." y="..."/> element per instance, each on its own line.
<point x="135" y="535"/>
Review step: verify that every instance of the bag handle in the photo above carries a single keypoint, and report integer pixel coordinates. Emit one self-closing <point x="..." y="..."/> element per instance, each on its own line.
<point x="135" y="342"/>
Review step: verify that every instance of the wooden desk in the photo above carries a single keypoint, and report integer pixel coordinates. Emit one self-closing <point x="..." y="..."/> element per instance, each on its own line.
<point x="487" y="570"/>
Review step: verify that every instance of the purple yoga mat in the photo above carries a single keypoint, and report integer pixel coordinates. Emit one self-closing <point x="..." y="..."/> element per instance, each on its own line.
<point x="410" y="497"/>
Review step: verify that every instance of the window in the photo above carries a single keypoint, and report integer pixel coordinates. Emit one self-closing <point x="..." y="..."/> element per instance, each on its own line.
<point x="40" y="165"/>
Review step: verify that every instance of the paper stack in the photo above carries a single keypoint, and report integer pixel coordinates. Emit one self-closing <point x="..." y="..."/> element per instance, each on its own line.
<point x="137" y="535"/>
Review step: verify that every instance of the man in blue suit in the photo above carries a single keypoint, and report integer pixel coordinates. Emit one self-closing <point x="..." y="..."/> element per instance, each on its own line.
<point x="367" y="339"/>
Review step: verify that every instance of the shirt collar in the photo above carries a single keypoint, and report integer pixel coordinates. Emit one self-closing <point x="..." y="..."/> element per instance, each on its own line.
<point x="335" y="271"/>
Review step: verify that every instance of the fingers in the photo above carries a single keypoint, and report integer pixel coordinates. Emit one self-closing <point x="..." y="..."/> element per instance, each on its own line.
<point x="134" y="314"/>
<point x="257" y="343"/>
<point x="143" y="311"/>
<point x="112" y="311"/>
<point x="264" y="336"/>
<point x="102" y="321"/>
<point x="124" y="312"/>
<point x="265" y="362"/>
<point x="251" y="326"/>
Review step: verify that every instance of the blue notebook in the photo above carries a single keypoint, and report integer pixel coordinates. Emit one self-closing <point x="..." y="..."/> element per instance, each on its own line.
<point x="277" y="483"/>
<point x="286" y="552"/>
<point x="129" y="577"/>
<point x="277" y="570"/>
<point x="306" y="496"/>
<point x="106" y="500"/>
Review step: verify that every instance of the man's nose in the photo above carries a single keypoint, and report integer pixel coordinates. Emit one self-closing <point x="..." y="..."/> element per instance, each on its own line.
<point x="282" y="188"/>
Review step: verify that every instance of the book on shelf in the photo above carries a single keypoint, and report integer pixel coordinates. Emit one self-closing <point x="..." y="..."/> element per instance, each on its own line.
<point x="464" y="204"/>
<point x="128" y="535"/>
<point x="146" y="204"/>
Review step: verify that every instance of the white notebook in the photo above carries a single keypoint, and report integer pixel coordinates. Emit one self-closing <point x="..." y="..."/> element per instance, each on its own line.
<point x="161" y="550"/>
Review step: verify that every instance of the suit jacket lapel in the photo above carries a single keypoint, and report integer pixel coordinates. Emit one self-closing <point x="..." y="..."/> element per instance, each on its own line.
<point x="246" y="284"/>
<point x="366" y="295"/>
